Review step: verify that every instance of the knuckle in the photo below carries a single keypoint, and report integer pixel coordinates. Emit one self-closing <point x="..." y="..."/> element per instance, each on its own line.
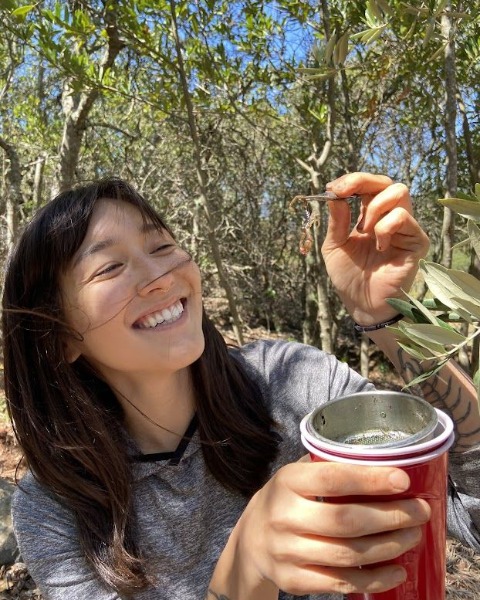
<point x="283" y="476"/>
<point x="342" y="586"/>
<point x="398" y="520"/>
<point x="279" y="553"/>
<point x="344" y="556"/>
<point x="329" y="487"/>
<point x="401" y="189"/>
<point x="278" y="520"/>
<point x="375" y="479"/>
<point x="280" y="516"/>
<point x="331" y="479"/>
<point x="282" y="519"/>
<point x="345" y="522"/>
<point x="354" y="177"/>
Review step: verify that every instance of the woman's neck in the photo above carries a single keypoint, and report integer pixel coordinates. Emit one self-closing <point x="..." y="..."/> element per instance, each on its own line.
<point x="157" y="409"/>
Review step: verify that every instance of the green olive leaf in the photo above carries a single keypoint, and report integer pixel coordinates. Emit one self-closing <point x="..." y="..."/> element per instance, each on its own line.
<point x="474" y="234"/>
<point x="434" y="336"/>
<point x="426" y="375"/>
<point x="452" y="287"/>
<point x="466" y="208"/>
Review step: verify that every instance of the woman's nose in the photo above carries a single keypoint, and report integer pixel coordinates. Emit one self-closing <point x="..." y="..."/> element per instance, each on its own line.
<point x="154" y="278"/>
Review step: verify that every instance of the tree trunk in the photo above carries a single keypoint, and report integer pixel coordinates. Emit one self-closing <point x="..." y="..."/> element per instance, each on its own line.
<point x="450" y="137"/>
<point x="14" y="196"/>
<point x="364" y="356"/>
<point x="195" y="230"/>
<point x="318" y="326"/>
<point x="324" y="316"/>
<point x="448" y="227"/>
<point x="76" y="108"/>
<point x="203" y="182"/>
<point x="472" y="151"/>
<point x="38" y="180"/>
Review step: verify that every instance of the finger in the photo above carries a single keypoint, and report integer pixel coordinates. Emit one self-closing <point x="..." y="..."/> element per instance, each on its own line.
<point x="358" y="183"/>
<point x="313" y="579"/>
<point x="338" y="229"/>
<point x="373" y="209"/>
<point x="399" y="230"/>
<point x="368" y="551"/>
<point x="395" y="196"/>
<point x="351" y="520"/>
<point x="334" y="479"/>
<point x="333" y="552"/>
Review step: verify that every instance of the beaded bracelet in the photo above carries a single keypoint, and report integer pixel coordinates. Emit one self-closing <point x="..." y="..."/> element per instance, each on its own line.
<point x="365" y="328"/>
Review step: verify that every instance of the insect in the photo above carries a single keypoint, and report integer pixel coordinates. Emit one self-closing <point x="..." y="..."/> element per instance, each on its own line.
<point x="312" y="216"/>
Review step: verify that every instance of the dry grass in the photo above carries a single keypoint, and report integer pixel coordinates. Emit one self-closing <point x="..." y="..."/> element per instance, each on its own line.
<point x="463" y="572"/>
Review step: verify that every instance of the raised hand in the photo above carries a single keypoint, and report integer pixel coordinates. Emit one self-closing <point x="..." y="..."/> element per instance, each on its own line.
<point x="378" y="258"/>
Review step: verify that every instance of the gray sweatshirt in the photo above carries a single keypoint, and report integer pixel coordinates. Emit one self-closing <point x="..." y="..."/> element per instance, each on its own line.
<point x="184" y="515"/>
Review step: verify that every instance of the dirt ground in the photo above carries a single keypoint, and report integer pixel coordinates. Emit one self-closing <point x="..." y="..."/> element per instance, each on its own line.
<point x="15" y="581"/>
<point x="463" y="564"/>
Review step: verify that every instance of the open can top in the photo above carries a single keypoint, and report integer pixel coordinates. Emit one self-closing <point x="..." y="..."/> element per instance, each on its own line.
<point x="374" y="419"/>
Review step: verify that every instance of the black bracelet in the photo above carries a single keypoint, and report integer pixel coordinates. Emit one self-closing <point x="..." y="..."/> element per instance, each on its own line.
<point x="365" y="328"/>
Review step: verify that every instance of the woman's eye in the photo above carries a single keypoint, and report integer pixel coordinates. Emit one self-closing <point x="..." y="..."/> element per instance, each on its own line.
<point x="163" y="247"/>
<point x="107" y="270"/>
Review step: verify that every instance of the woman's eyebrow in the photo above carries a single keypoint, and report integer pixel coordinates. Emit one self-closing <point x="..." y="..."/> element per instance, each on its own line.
<point x="145" y="228"/>
<point x="92" y="249"/>
<point x="149" y="227"/>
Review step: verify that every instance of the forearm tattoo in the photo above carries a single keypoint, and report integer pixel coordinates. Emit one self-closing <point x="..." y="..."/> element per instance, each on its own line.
<point x="211" y="595"/>
<point x="444" y="393"/>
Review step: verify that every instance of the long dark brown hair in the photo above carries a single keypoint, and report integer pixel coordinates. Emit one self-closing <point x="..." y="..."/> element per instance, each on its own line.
<point x="69" y="422"/>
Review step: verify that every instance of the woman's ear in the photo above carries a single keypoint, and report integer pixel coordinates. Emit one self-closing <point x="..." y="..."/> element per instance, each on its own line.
<point x="71" y="352"/>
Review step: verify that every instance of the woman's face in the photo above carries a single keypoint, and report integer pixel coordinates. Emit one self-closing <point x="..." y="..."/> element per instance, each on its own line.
<point x="134" y="296"/>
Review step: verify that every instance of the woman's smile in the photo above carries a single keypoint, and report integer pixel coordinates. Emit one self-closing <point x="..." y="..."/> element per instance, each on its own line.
<point x="164" y="316"/>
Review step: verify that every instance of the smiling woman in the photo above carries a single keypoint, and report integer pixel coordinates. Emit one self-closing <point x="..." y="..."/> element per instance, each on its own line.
<point x="164" y="464"/>
<point x="85" y="369"/>
<point x="124" y="278"/>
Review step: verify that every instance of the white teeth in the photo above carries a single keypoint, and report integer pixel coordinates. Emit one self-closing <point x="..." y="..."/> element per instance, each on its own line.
<point x="167" y="315"/>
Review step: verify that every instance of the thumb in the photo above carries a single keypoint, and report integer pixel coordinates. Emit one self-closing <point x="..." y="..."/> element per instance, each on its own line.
<point x="338" y="229"/>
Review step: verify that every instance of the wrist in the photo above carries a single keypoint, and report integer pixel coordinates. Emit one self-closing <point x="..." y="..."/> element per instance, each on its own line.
<point x="236" y="577"/>
<point x="378" y="325"/>
<point x="370" y="315"/>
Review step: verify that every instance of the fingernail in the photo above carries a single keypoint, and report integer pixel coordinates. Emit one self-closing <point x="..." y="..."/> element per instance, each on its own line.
<point x="399" y="480"/>
<point x="338" y="184"/>
<point x="399" y="576"/>
<point x="414" y="535"/>
<point x="361" y="223"/>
